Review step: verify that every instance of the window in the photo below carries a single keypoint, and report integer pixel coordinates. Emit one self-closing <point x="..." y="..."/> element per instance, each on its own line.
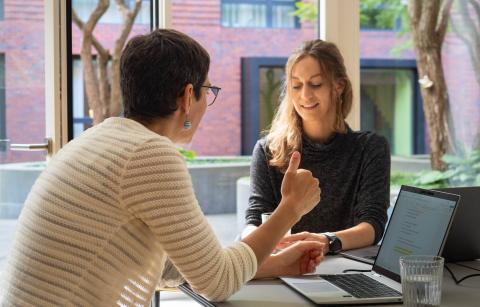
<point x="84" y="8"/>
<point x="3" y="118"/>
<point x="81" y="115"/>
<point x="262" y="83"/>
<point x="391" y="105"/>
<point x="390" y="101"/>
<point x="81" y="118"/>
<point x="259" y="14"/>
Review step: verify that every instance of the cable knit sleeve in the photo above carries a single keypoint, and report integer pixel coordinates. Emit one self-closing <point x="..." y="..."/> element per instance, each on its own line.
<point x="374" y="190"/>
<point x="262" y="197"/>
<point x="157" y="189"/>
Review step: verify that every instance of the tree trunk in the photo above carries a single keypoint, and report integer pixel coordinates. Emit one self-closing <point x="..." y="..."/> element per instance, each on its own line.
<point x="103" y="95"/>
<point x="114" y="103"/>
<point x="91" y="88"/>
<point x="435" y="102"/>
<point x="429" y="23"/>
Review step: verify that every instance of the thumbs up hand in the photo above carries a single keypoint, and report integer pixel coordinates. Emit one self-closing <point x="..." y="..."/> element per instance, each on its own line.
<point x="299" y="187"/>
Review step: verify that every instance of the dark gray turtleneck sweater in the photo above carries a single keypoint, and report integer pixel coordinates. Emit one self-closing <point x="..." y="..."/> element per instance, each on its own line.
<point x="354" y="173"/>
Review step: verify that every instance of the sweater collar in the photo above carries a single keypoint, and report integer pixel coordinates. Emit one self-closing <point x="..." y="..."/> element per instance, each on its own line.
<point x="308" y="145"/>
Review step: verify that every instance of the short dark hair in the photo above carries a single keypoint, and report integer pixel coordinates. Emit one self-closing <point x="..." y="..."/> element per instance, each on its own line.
<point x="154" y="70"/>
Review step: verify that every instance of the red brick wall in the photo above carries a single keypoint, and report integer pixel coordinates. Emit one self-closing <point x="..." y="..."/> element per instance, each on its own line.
<point x="21" y="41"/>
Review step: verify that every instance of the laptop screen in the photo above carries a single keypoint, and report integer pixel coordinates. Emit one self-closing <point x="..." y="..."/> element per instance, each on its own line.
<point x="418" y="226"/>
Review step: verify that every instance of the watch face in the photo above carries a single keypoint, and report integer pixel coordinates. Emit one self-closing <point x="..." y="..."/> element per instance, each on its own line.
<point x="335" y="245"/>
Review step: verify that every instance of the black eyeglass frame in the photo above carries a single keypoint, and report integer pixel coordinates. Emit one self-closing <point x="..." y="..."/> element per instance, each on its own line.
<point x="215" y="91"/>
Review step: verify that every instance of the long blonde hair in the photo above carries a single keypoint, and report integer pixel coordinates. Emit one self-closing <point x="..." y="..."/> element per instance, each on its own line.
<point x="285" y="134"/>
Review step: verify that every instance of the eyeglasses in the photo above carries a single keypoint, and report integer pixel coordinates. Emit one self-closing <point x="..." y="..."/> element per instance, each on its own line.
<point x="212" y="93"/>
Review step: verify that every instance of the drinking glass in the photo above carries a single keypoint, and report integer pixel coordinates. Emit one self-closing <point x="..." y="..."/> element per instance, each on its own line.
<point x="421" y="278"/>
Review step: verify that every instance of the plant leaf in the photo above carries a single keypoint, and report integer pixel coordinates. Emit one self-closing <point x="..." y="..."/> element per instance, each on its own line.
<point x="430" y="177"/>
<point x="449" y="159"/>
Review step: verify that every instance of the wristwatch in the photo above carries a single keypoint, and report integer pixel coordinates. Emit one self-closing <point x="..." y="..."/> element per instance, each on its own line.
<point x="334" y="243"/>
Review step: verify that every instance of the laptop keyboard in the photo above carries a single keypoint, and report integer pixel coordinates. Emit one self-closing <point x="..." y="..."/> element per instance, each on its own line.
<point x="361" y="286"/>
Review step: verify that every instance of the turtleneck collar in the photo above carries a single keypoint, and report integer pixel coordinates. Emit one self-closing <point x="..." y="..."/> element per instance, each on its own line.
<point x="310" y="146"/>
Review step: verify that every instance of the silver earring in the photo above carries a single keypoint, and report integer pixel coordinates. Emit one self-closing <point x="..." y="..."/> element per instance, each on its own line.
<point x="187" y="124"/>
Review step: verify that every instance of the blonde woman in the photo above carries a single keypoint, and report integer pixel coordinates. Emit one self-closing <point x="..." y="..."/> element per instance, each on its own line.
<point x="114" y="213"/>
<point x="353" y="166"/>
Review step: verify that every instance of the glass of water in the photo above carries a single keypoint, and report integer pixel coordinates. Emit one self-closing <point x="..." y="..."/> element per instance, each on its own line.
<point x="421" y="280"/>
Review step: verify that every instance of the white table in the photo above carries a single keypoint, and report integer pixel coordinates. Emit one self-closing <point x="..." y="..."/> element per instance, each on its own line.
<point x="273" y="293"/>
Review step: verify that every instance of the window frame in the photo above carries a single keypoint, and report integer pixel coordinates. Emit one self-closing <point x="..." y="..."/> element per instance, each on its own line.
<point x="250" y="97"/>
<point x="269" y="11"/>
<point x="3" y="117"/>
<point x="418" y="129"/>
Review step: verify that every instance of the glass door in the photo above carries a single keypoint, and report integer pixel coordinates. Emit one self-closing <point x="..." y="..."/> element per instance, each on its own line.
<point x="31" y="36"/>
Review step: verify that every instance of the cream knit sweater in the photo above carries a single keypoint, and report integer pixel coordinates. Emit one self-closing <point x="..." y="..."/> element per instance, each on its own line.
<point x="101" y="220"/>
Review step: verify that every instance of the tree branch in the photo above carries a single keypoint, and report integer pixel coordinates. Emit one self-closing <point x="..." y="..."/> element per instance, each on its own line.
<point x="469" y="35"/>
<point x="442" y="23"/>
<point x="91" y="87"/>
<point x="470" y="25"/>
<point x="476" y="9"/>
<point x="128" y="20"/>
<point x="415" y="9"/>
<point x="429" y="17"/>
<point x="98" y="46"/>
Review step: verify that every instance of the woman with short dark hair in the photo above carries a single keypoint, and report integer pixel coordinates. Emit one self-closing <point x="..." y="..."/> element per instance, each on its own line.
<point x="114" y="213"/>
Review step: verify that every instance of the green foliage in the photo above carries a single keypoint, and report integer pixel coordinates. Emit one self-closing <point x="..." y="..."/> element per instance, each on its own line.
<point x="384" y="14"/>
<point x="401" y="178"/>
<point x="374" y="14"/>
<point x="462" y="171"/>
<point x="306" y="11"/>
<point x="378" y="14"/>
<point x="187" y="154"/>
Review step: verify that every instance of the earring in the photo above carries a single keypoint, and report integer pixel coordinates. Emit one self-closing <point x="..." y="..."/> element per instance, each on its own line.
<point x="187" y="124"/>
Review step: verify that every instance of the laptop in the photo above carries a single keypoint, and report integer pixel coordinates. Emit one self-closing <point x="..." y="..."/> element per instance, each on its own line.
<point x="419" y="225"/>
<point x="463" y="242"/>
<point x="365" y="254"/>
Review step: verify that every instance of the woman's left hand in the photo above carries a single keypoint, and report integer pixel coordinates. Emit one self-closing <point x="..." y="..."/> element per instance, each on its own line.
<point x="297" y="259"/>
